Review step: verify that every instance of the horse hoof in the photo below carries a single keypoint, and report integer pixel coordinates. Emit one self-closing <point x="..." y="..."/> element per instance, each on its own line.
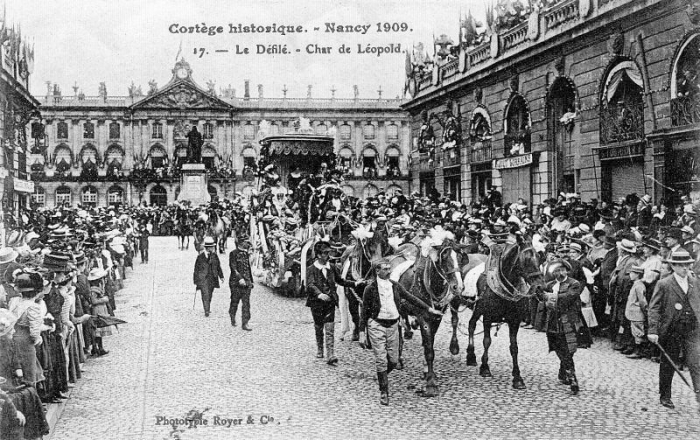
<point x="454" y="349"/>
<point x="485" y="372"/>
<point x="519" y="384"/>
<point x="471" y="360"/>
<point x="399" y="366"/>
<point x="430" y="391"/>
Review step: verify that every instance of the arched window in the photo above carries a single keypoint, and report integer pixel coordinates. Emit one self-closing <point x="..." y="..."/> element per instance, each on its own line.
<point x="89" y="154"/>
<point x="368" y="131"/>
<point x="480" y="136"/>
<point x="345" y="159"/>
<point x="392" y="161"/>
<point x="88" y="130"/>
<point x="369" y="191"/>
<point x="274" y="129"/>
<point x="63" y="158"/>
<point x="391" y="190"/>
<point x="622" y="105"/>
<point x="114" y="153"/>
<point x="39" y="196"/>
<point x="345" y="132"/>
<point x="115" y="196"/>
<point x="62" y="130"/>
<point x="63" y="196"/>
<point x="114" y="130"/>
<point x="561" y="118"/>
<point x="685" y="84"/>
<point x="349" y="190"/>
<point x="369" y="162"/>
<point x="517" y="127"/>
<point x="158" y="156"/>
<point x="209" y="157"/>
<point x="159" y="196"/>
<point x="321" y="129"/>
<point x="89" y="196"/>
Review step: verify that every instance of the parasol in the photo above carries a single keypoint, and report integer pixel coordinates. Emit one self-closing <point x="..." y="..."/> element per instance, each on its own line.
<point x="105" y="321"/>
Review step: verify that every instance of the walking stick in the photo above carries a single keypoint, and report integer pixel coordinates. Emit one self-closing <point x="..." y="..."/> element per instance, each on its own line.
<point x="675" y="367"/>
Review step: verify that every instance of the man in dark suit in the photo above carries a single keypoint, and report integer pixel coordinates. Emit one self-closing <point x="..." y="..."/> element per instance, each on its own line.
<point x="240" y="283"/>
<point x="620" y="286"/>
<point x="322" y="298"/>
<point x="207" y="273"/>
<point x="566" y="330"/>
<point x="674" y="323"/>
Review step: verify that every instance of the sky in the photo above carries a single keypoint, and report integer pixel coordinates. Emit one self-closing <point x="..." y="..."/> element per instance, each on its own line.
<point x="118" y="42"/>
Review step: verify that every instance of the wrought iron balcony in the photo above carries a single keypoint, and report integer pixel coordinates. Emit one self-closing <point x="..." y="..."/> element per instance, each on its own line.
<point x="620" y="124"/>
<point x="481" y="152"/>
<point x="685" y="111"/>
<point x="451" y="157"/>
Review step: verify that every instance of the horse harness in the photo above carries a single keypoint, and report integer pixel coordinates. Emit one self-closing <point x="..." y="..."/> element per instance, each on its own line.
<point x="494" y="271"/>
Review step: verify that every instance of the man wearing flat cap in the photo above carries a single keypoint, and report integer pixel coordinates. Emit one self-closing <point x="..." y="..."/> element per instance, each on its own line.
<point x="240" y="283"/>
<point x="207" y="273"/>
<point x="620" y="285"/>
<point x="565" y="327"/>
<point x="674" y="323"/>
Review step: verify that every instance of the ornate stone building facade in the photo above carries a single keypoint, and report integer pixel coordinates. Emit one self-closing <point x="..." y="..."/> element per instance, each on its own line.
<point x="108" y="150"/>
<point x="17" y="107"/>
<point x="599" y="97"/>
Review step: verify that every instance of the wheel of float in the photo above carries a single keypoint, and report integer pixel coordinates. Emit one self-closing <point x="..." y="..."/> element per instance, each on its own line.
<point x="277" y="276"/>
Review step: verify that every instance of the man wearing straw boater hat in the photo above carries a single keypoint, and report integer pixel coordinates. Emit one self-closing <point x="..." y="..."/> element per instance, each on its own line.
<point x="674" y="323"/>
<point x="207" y="273"/>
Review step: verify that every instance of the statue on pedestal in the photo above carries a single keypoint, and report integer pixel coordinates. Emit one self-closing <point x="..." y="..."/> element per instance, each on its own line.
<point x="194" y="146"/>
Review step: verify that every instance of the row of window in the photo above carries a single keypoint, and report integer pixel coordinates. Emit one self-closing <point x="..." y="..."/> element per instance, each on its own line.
<point x="249" y="131"/>
<point x="88" y="196"/>
<point x="115" y="130"/>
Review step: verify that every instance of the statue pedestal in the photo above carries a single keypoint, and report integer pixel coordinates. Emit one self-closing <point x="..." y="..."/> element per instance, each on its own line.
<point x="194" y="184"/>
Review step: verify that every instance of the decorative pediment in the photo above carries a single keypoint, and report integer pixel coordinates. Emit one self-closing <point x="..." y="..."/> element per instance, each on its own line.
<point x="182" y="94"/>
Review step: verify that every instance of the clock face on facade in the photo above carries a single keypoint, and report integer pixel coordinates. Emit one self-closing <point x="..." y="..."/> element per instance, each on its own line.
<point x="181" y="73"/>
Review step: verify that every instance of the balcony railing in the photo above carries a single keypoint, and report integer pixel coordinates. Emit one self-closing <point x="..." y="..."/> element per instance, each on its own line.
<point x="685" y="111"/>
<point x="479" y="54"/>
<point x="515" y="37"/>
<point x="481" y="152"/>
<point x="560" y="14"/>
<point x="451" y="157"/>
<point x="450" y="68"/>
<point x="621" y="124"/>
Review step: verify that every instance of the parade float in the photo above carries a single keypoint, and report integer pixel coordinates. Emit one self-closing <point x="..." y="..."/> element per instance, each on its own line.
<point x="281" y="240"/>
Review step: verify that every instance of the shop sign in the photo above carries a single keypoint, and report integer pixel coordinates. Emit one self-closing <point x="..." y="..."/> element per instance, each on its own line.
<point x="3" y="173"/>
<point x="621" y="152"/>
<point x="513" y="162"/>
<point x="25" y="186"/>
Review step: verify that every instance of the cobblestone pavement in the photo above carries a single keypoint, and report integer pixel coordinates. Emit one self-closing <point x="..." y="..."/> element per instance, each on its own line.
<point x="170" y="360"/>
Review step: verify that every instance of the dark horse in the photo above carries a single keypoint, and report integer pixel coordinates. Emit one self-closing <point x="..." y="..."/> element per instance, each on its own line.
<point x="183" y="230"/>
<point x="518" y="263"/>
<point x="435" y="279"/>
<point x="356" y="263"/>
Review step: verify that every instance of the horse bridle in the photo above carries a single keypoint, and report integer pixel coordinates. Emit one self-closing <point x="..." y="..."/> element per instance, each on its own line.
<point x="531" y="275"/>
